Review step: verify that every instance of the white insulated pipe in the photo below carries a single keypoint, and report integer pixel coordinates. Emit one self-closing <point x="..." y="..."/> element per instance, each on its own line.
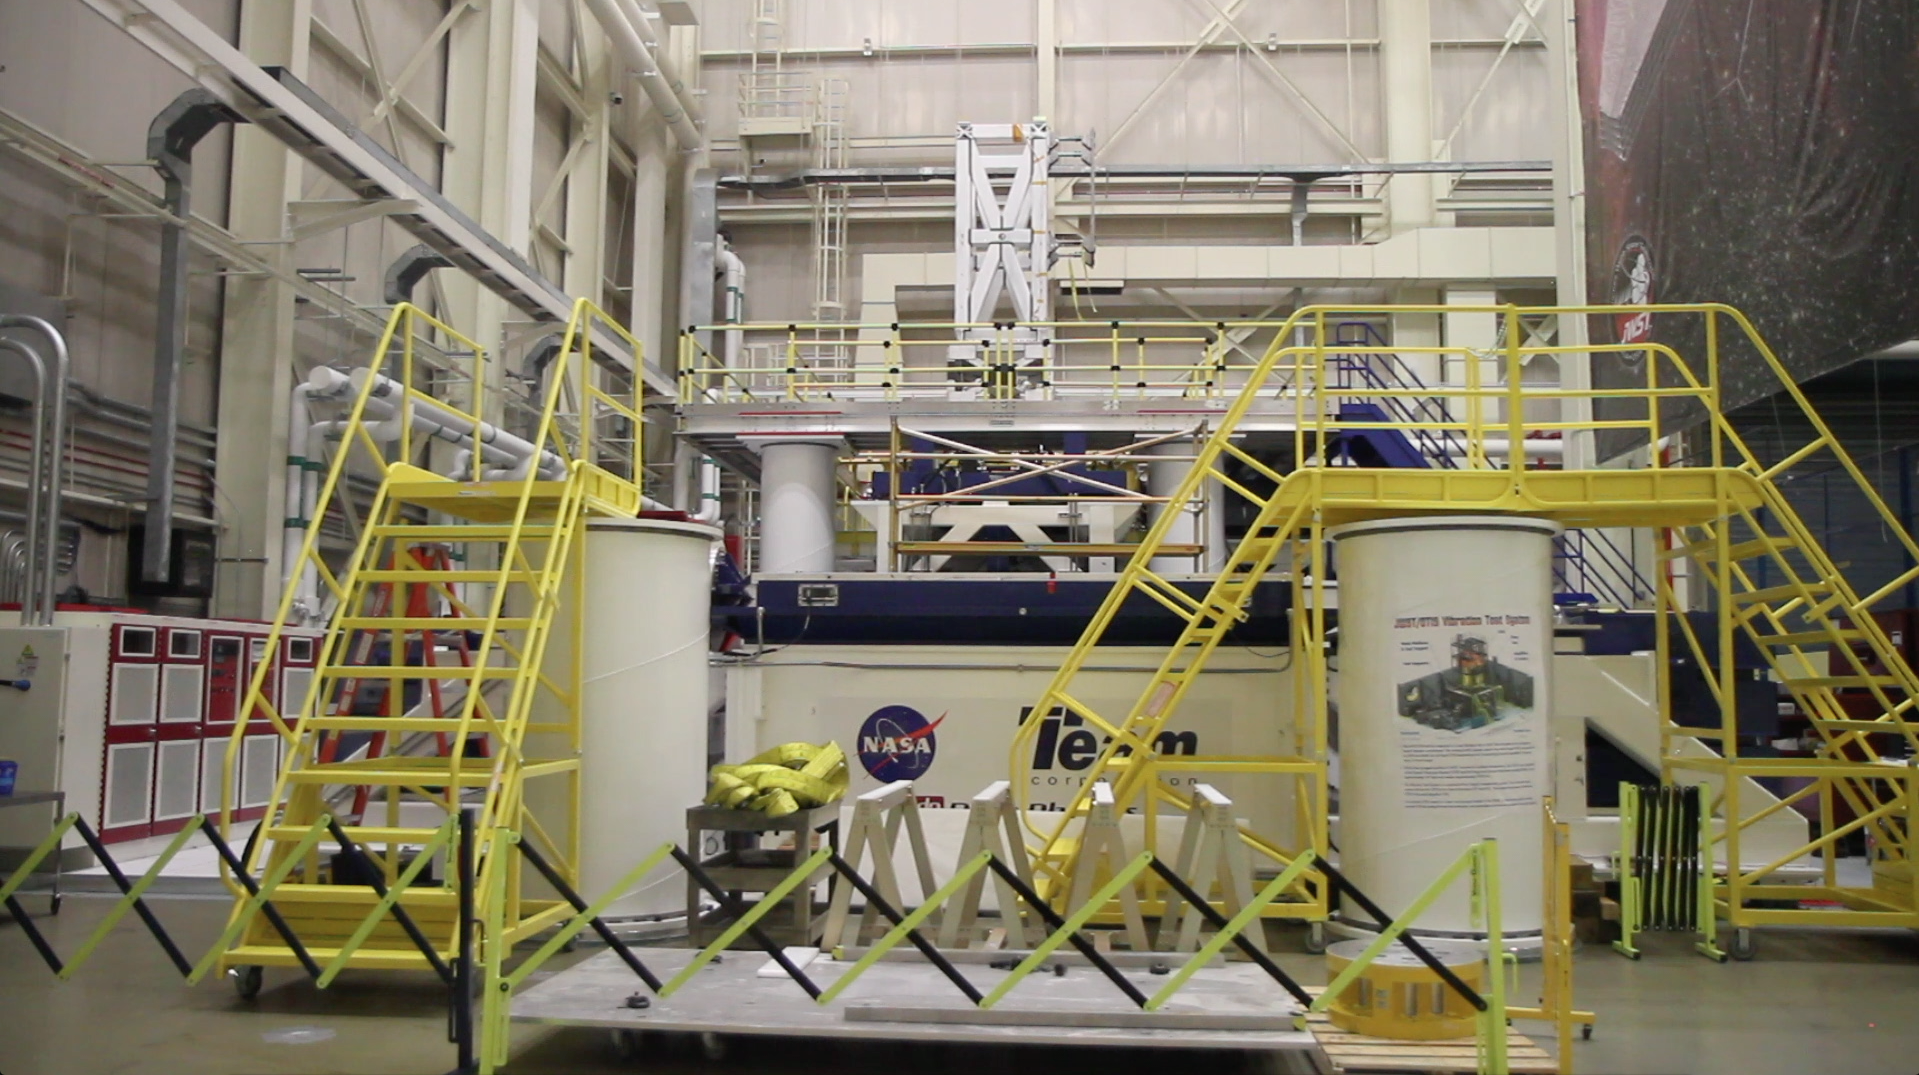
<point x="433" y="419"/>
<point x="1535" y="449"/>
<point x="629" y="35"/>
<point x="709" y="506"/>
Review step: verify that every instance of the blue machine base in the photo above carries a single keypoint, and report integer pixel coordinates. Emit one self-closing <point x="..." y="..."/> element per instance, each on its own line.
<point x="1028" y="609"/>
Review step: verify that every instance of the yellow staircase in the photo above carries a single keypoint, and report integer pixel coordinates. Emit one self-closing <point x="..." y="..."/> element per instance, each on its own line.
<point x="518" y="539"/>
<point x="1725" y="517"/>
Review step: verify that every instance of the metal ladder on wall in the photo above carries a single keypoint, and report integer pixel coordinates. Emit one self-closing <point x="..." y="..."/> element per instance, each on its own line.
<point x="527" y="530"/>
<point x="1727" y="517"/>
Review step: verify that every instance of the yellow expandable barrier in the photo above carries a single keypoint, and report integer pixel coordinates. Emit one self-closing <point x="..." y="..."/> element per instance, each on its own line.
<point x="784" y="780"/>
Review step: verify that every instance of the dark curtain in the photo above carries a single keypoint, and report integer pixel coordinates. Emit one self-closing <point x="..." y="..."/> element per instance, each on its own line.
<point x="1766" y="155"/>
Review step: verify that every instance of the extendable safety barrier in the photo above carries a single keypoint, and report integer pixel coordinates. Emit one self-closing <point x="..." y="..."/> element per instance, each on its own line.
<point x="1665" y="865"/>
<point x="455" y="973"/>
<point x="908" y="926"/>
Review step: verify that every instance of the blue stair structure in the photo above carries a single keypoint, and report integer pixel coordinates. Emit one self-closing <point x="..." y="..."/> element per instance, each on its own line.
<point x="1369" y="441"/>
<point x="1374" y="447"/>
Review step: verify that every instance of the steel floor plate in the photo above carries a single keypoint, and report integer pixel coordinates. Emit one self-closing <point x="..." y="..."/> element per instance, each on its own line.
<point x="731" y="998"/>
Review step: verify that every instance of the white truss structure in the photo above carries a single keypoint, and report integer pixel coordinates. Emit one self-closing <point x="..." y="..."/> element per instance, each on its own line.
<point x="1002" y="237"/>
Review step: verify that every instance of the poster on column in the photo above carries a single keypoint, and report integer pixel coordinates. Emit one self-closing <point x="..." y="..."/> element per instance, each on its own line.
<point x="1469" y="733"/>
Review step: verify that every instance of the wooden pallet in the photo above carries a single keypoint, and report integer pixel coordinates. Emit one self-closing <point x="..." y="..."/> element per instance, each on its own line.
<point x="1359" y="1052"/>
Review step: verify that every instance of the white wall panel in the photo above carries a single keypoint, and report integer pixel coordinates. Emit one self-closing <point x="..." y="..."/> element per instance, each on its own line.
<point x="65" y="69"/>
<point x="1513" y="116"/>
<point x="1222" y="108"/>
<point x="1455" y="20"/>
<point x="1182" y="21"/>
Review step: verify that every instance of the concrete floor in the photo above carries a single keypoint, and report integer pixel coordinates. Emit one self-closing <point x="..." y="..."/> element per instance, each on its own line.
<point x="1839" y="1002"/>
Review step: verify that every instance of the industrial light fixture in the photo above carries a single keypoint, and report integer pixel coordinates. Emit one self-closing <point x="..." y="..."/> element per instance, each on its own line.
<point x="866" y="46"/>
<point x="1272" y="41"/>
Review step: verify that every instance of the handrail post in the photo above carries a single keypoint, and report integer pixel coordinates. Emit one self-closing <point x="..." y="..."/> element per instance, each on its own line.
<point x="1515" y="397"/>
<point x="1493" y="1019"/>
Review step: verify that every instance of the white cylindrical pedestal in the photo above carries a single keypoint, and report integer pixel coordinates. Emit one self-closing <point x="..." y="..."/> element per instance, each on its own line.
<point x="796" y="505"/>
<point x="1163" y="477"/>
<point x="1445" y="698"/>
<point x="644" y="703"/>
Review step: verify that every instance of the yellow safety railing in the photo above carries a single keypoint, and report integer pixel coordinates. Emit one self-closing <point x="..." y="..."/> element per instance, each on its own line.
<point x="1110" y="359"/>
<point x="1722" y="509"/>
<point x="1556" y="944"/>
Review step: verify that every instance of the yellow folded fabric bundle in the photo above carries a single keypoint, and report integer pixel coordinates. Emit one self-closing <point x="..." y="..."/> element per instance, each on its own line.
<point x="788" y="778"/>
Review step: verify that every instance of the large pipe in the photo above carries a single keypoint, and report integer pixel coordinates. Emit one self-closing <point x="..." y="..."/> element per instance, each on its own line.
<point x="709" y="506"/>
<point x="171" y="138"/>
<point x="632" y="50"/>
<point x="689" y="101"/>
<point x="56" y="438"/>
<point x="36" y="467"/>
<point x="437" y="420"/>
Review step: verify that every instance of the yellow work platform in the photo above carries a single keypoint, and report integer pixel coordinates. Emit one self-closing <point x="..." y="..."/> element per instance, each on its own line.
<point x="1577" y="498"/>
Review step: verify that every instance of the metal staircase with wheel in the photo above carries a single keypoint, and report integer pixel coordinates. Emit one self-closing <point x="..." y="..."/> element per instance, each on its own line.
<point x="510" y="491"/>
<point x="1753" y="563"/>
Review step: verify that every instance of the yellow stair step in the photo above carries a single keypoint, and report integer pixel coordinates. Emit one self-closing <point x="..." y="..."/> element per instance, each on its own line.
<point x="417" y="491"/>
<point x="359" y="834"/>
<point x="397" y="771"/>
<point x="432" y="623"/>
<point x="1739" y="550"/>
<point x="420" y="576"/>
<point x="1839" y="682"/>
<point x="1768" y="594"/>
<point x="338" y="901"/>
<point x="416" y="671"/>
<point x="423" y="772"/>
<point x="461" y="531"/>
<point x="367" y="958"/>
<point x="448" y="725"/>
<point x="1812" y="638"/>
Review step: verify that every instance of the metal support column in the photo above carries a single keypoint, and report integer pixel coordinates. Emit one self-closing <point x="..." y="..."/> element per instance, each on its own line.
<point x="256" y="332"/>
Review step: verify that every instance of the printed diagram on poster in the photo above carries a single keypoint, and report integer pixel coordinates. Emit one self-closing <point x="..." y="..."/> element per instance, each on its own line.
<point x="1469" y="735"/>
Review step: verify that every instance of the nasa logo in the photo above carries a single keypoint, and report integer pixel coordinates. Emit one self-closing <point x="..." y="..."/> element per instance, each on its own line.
<point x="1633" y="284"/>
<point x="897" y="743"/>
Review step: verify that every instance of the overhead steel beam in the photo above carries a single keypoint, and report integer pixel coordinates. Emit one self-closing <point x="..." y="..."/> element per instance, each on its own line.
<point x="1254" y="172"/>
<point x="277" y="102"/>
<point x="71" y="165"/>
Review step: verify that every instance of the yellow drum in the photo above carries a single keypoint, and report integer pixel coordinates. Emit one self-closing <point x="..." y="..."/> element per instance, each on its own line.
<point x="1398" y="996"/>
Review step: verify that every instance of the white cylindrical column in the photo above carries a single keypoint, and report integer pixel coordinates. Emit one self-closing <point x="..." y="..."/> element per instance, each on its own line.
<point x="797" y="478"/>
<point x="1208" y="528"/>
<point x="1445" y="698"/>
<point x="644" y="702"/>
